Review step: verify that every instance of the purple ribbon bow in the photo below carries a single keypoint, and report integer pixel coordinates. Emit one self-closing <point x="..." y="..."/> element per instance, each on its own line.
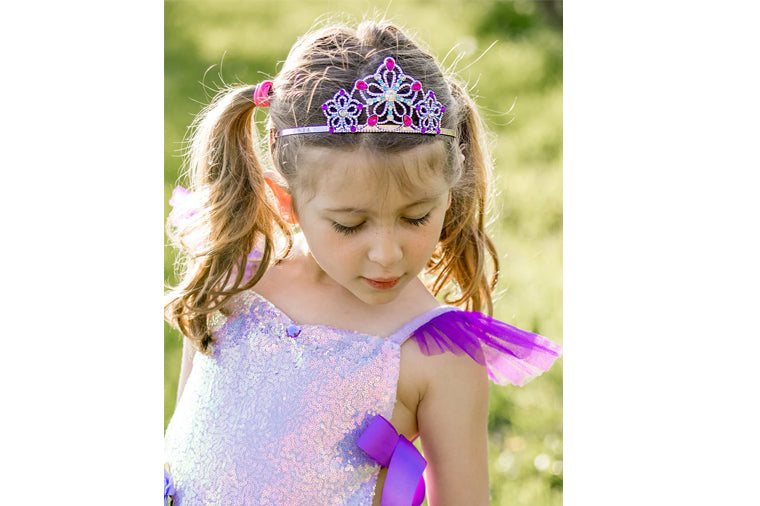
<point x="404" y="484"/>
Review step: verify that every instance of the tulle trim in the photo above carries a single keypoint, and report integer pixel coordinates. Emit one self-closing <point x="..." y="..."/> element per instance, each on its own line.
<point x="184" y="216"/>
<point x="511" y="355"/>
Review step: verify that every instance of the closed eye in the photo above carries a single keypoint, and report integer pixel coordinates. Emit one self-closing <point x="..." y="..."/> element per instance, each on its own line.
<point x="346" y="230"/>
<point x="343" y="229"/>
<point x="418" y="222"/>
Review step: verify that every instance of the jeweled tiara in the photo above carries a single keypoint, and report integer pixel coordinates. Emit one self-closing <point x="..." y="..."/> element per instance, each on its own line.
<point x="390" y="100"/>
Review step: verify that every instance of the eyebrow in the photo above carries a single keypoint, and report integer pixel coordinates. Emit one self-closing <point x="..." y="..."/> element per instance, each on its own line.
<point x="358" y="210"/>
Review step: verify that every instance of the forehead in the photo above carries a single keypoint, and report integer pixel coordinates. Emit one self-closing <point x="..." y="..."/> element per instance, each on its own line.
<point x="364" y="175"/>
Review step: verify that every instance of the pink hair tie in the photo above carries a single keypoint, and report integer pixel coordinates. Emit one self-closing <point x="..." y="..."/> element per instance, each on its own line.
<point x="261" y="94"/>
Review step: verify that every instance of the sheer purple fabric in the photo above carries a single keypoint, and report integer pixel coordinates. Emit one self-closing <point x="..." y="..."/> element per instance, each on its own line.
<point x="511" y="355"/>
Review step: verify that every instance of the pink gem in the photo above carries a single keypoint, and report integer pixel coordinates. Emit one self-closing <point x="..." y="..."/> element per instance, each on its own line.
<point x="417" y="86"/>
<point x="361" y="85"/>
<point x="342" y="92"/>
<point x="372" y="120"/>
<point x="389" y="63"/>
<point x="360" y="107"/>
<point x="353" y="129"/>
<point x="332" y="130"/>
<point x="422" y="130"/>
<point x="407" y="120"/>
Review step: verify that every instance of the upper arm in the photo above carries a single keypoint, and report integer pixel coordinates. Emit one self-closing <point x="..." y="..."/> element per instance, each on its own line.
<point x="453" y="427"/>
<point x="188" y="352"/>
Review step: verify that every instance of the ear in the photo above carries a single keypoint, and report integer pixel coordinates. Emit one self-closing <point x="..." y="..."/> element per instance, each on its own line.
<point x="283" y="198"/>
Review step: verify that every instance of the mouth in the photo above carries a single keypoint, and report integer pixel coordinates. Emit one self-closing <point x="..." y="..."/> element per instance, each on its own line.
<point x="382" y="283"/>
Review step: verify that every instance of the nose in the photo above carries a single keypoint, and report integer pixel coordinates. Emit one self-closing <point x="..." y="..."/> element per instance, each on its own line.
<point x="385" y="248"/>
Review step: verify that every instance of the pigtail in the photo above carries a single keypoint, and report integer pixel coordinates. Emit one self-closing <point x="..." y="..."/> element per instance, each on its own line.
<point x="231" y="217"/>
<point x="465" y="247"/>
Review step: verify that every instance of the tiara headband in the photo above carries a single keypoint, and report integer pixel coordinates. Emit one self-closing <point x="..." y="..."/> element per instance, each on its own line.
<point x="390" y="100"/>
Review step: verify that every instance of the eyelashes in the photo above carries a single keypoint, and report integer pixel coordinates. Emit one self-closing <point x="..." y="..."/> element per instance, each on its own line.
<point x="346" y="230"/>
<point x="342" y="229"/>
<point x="418" y="222"/>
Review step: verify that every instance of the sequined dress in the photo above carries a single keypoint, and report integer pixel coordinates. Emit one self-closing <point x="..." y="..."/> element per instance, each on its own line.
<point x="273" y="415"/>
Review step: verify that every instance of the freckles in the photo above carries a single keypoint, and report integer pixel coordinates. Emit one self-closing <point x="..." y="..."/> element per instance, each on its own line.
<point x="423" y="241"/>
<point x="343" y="252"/>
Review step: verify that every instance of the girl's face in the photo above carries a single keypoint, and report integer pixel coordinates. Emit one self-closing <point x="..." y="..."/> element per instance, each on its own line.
<point x="367" y="231"/>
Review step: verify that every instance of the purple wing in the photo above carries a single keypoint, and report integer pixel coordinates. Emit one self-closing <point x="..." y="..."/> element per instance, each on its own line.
<point x="511" y="355"/>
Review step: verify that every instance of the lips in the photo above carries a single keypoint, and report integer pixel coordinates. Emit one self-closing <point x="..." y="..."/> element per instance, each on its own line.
<point x="382" y="283"/>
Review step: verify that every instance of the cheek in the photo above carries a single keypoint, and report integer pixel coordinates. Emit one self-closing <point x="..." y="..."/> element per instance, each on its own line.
<point x="425" y="241"/>
<point x="332" y="251"/>
<point x="437" y="227"/>
<point x="343" y="253"/>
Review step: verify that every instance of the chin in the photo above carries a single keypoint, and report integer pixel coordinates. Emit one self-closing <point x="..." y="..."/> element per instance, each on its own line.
<point x="374" y="299"/>
<point x="383" y="299"/>
<point x="378" y="297"/>
<point x="375" y="296"/>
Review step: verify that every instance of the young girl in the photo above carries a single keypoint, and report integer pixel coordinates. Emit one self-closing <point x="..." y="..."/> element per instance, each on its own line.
<point x="312" y="358"/>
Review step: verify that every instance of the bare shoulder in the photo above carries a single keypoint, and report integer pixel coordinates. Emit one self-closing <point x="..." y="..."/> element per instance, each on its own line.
<point x="454" y="375"/>
<point x="453" y="421"/>
<point x="414" y="364"/>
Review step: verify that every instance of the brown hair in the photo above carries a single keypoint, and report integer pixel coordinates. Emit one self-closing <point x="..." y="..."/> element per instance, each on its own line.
<point x="237" y="213"/>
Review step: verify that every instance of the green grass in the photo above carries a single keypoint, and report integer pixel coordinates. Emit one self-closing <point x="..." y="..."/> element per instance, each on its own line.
<point x="519" y="90"/>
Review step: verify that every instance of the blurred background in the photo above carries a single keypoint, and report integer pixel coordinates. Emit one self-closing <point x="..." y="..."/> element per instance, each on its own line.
<point x="511" y="55"/>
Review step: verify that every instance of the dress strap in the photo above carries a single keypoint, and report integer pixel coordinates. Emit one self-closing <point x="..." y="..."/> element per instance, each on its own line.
<point x="408" y="329"/>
